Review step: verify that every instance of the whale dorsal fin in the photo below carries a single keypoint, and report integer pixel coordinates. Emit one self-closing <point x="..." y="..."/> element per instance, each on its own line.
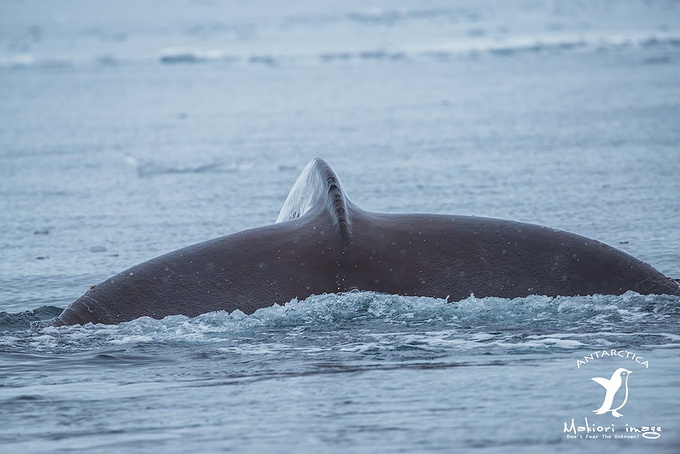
<point x="318" y="189"/>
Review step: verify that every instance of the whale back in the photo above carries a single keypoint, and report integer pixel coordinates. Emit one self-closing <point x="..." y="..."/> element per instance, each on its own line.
<point x="323" y="243"/>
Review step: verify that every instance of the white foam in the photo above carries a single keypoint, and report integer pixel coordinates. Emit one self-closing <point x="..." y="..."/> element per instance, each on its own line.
<point x="382" y="323"/>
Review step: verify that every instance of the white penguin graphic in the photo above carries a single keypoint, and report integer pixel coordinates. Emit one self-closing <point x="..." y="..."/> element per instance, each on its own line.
<point x="612" y="386"/>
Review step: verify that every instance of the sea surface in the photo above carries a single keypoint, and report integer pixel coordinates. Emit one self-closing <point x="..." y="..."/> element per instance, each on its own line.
<point x="132" y="128"/>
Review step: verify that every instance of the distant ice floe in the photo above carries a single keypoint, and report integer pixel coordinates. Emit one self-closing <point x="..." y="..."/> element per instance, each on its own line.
<point x="464" y="48"/>
<point x="17" y="60"/>
<point x="173" y="55"/>
<point x="508" y="47"/>
<point x="478" y="44"/>
<point x="26" y="60"/>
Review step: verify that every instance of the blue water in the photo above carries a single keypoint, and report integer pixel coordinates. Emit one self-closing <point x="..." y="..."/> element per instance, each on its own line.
<point x="132" y="129"/>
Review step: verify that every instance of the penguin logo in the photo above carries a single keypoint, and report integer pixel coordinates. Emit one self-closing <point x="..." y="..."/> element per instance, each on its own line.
<point x="612" y="386"/>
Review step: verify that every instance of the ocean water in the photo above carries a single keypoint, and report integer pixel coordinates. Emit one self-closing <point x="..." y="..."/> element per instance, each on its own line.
<point x="131" y="129"/>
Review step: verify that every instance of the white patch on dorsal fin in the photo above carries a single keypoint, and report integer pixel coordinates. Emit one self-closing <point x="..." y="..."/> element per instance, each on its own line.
<point x="318" y="188"/>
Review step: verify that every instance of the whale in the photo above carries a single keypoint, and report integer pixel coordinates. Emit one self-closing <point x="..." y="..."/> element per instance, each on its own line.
<point x="323" y="243"/>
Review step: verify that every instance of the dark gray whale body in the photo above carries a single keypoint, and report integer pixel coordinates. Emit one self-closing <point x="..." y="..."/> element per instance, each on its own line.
<point x="323" y="243"/>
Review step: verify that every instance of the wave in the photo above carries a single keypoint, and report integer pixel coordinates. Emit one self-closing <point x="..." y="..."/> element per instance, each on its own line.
<point x="370" y="322"/>
<point x="390" y="17"/>
<point x="461" y="49"/>
<point x="155" y="168"/>
<point x="23" y="320"/>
